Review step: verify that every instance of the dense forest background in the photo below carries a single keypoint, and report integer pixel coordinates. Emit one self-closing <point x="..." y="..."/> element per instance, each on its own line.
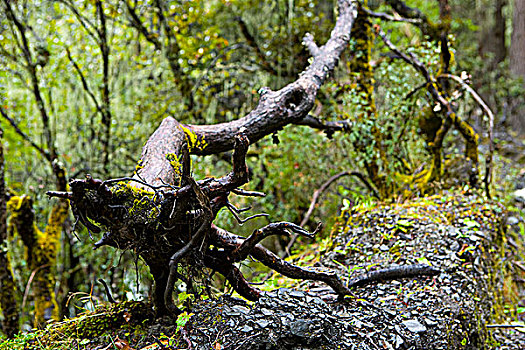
<point x="84" y="83"/>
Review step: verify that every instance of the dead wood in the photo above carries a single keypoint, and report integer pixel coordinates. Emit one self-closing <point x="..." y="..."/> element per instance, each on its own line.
<point x="166" y="217"/>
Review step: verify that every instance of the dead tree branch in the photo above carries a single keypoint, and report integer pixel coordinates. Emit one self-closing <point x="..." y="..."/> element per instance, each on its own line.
<point x="387" y="17"/>
<point x="392" y="273"/>
<point x="276" y="109"/>
<point x="488" y="164"/>
<point x="470" y="136"/>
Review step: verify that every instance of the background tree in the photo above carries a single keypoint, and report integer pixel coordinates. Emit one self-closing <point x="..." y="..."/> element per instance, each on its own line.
<point x="8" y="303"/>
<point x="517" y="55"/>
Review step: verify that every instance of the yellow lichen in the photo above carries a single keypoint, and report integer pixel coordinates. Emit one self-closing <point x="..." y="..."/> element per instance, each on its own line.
<point x="194" y="142"/>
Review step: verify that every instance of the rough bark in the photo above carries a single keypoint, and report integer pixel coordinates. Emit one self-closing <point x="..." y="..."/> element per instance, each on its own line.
<point x="41" y="252"/>
<point x="517" y="58"/>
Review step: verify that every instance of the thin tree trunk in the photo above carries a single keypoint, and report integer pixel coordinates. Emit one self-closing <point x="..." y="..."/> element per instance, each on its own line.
<point x="517" y="45"/>
<point x="8" y="304"/>
<point x="517" y="57"/>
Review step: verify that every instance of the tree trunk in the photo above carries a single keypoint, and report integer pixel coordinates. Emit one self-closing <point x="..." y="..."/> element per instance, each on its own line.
<point x="517" y="57"/>
<point x="517" y="45"/>
<point x="8" y="303"/>
<point x="492" y="39"/>
<point x="166" y="216"/>
<point x="41" y="252"/>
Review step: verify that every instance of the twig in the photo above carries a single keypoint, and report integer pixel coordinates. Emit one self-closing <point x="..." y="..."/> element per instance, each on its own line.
<point x="234" y="212"/>
<point x="60" y="194"/>
<point x="505" y="326"/>
<point x="416" y="89"/>
<point x="83" y="81"/>
<point x="245" y="193"/>
<point x="29" y="281"/>
<point x="105" y="182"/>
<point x="276" y="228"/>
<point x="19" y="131"/>
<point x="328" y="127"/>
<point x="108" y="292"/>
<point x="317" y="194"/>
<point x="387" y="17"/>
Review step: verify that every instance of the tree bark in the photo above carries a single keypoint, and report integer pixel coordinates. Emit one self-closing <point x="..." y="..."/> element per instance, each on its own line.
<point x="492" y="39"/>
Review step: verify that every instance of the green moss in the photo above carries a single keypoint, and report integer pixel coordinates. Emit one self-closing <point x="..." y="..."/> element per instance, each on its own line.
<point x="42" y="248"/>
<point x="104" y="319"/>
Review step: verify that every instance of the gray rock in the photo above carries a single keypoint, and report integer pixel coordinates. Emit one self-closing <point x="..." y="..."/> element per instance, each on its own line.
<point x="246" y="329"/>
<point x="414" y="326"/>
<point x="241" y="309"/>
<point x="299" y="328"/>
<point x="262" y="323"/>
<point x="399" y="341"/>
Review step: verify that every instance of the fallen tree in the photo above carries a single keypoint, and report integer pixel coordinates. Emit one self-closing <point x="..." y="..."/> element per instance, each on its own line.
<point x="166" y="217"/>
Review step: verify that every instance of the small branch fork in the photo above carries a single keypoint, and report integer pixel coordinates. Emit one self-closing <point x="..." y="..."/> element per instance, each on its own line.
<point x="471" y="138"/>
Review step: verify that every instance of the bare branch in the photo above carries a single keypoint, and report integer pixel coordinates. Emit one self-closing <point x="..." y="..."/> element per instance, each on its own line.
<point x="488" y="164"/>
<point x="26" y="137"/>
<point x="136" y="22"/>
<point x="84" y="21"/>
<point x="392" y="273"/>
<point x="328" y="127"/>
<point x="387" y="17"/>
<point x="276" y="109"/>
<point x="83" y="81"/>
